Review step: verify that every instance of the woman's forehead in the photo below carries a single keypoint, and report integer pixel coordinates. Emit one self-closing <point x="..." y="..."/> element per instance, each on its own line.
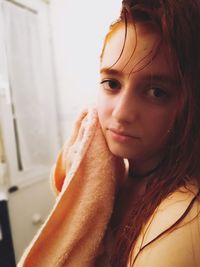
<point x="141" y="46"/>
<point x="139" y="38"/>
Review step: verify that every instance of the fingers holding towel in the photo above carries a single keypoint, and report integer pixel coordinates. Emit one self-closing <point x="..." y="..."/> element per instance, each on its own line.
<point x="87" y="174"/>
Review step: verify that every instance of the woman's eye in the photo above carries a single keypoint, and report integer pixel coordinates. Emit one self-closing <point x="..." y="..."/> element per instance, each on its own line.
<point x="157" y="93"/>
<point x="110" y="84"/>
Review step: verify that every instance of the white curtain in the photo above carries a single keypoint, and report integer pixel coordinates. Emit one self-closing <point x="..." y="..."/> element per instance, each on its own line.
<point x="28" y="92"/>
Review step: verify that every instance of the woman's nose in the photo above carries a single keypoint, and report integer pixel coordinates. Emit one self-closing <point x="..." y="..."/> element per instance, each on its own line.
<point x="125" y="108"/>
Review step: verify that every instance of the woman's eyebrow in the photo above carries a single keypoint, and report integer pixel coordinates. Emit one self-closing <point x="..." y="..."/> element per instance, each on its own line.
<point x="156" y="77"/>
<point x="111" y="72"/>
<point x="164" y="78"/>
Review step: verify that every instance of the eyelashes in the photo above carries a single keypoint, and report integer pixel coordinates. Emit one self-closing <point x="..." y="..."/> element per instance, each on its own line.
<point x="110" y="84"/>
<point x="157" y="92"/>
<point x="149" y="91"/>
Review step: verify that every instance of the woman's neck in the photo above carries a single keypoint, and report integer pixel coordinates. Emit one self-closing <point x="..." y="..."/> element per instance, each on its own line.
<point x="144" y="168"/>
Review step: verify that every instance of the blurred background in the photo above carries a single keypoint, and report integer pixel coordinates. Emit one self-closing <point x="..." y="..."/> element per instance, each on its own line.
<point x="49" y="60"/>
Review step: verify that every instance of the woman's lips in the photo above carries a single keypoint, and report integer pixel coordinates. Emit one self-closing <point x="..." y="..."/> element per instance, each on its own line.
<point x="121" y="136"/>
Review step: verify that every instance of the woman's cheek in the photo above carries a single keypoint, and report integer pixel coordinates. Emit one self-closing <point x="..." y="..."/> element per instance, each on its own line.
<point x="104" y="113"/>
<point x="101" y="115"/>
<point x="100" y="109"/>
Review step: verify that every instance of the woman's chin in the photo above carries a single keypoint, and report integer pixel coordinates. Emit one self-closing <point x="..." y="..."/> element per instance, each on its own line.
<point x="119" y="152"/>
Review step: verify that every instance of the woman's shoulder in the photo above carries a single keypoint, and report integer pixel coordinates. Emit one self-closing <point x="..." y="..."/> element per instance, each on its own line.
<point x="173" y="229"/>
<point x="178" y="209"/>
<point x="184" y="198"/>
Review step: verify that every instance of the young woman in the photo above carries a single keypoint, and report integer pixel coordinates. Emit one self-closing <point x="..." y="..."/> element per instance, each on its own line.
<point x="149" y="110"/>
<point x="148" y="115"/>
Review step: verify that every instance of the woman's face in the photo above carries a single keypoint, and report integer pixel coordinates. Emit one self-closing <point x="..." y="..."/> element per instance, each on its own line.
<point x="138" y="98"/>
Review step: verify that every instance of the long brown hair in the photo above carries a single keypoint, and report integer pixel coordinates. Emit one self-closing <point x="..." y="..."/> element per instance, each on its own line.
<point x="179" y="25"/>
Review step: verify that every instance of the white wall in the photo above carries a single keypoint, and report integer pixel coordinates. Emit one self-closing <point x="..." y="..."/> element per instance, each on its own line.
<point x="78" y="28"/>
<point x="28" y="209"/>
<point x="78" y="31"/>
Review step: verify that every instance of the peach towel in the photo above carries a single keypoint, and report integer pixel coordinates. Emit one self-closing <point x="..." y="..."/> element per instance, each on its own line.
<point x="87" y="176"/>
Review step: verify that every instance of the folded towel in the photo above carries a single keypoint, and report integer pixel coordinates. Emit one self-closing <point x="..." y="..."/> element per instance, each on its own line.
<point x="87" y="176"/>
